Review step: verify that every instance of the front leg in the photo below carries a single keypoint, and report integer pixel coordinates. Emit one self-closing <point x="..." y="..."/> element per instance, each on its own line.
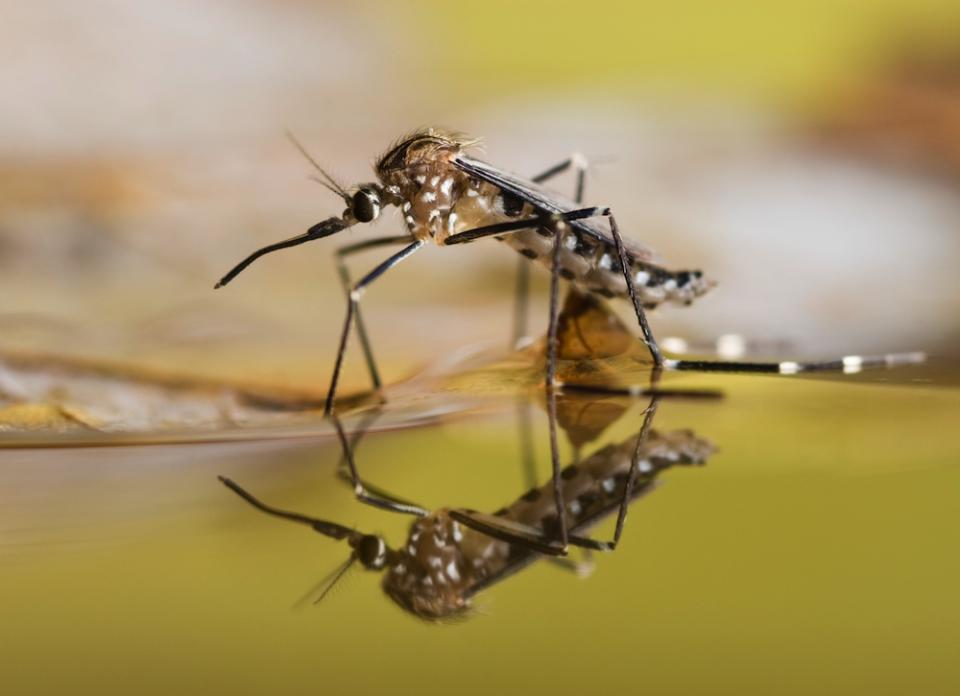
<point x="344" y="274"/>
<point x="353" y="302"/>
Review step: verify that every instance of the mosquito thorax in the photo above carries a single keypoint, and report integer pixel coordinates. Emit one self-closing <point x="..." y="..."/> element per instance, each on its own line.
<point x="365" y="203"/>
<point x="430" y="576"/>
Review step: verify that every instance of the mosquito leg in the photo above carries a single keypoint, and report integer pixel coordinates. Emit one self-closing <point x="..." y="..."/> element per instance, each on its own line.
<point x="579" y="163"/>
<point x="353" y="301"/>
<point x="527" y="223"/>
<point x="555" y="220"/>
<point x="360" y="490"/>
<point x="526" y="442"/>
<point x="330" y="529"/>
<point x="344" y="272"/>
<point x="353" y="441"/>
<point x="553" y="325"/>
<point x="551" y="378"/>
<point x="648" y="416"/>
<point x="555" y="468"/>
<point x="343" y="467"/>
<point x="541" y="540"/>
<point x="850" y="363"/>
<point x="648" y="338"/>
<point x="365" y="424"/>
<point x="522" y="535"/>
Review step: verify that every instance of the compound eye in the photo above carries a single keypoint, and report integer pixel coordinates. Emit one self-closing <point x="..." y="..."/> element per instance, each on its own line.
<point x="371" y="551"/>
<point x="366" y="205"/>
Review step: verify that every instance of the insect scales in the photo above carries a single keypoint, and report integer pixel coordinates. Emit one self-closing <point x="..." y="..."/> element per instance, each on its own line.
<point x="452" y="554"/>
<point x="448" y="197"/>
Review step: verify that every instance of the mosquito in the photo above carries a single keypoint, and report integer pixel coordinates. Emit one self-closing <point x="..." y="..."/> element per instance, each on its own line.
<point x="448" y="197"/>
<point x="452" y="554"/>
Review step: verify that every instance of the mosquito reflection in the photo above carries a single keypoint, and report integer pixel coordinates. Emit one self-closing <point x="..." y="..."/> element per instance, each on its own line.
<point x="452" y="554"/>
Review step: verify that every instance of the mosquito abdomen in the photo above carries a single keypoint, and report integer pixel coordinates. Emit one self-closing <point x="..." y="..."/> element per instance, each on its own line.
<point x="594" y="266"/>
<point x="596" y="485"/>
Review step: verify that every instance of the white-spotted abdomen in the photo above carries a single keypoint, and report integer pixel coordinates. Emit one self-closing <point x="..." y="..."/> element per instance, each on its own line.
<point x="592" y="263"/>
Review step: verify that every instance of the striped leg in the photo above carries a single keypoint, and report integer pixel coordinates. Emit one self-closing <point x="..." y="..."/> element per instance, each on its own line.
<point x="850" y="363"/>
<point x="846" y="364"/>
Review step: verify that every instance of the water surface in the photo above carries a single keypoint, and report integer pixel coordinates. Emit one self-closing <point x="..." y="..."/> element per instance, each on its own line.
<point x="814" y="551"/>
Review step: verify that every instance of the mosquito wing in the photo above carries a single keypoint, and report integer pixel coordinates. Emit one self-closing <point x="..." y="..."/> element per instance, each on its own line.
<point x="548" y="202"/>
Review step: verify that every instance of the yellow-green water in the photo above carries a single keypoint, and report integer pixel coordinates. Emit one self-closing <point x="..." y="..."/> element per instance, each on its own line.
<point x="814" y="553"/>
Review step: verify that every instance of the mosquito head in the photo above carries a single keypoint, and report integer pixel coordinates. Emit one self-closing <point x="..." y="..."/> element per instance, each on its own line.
<point x="363" y="205"/>
<point x="371" y="551"/>
<point x="366" y="203"/>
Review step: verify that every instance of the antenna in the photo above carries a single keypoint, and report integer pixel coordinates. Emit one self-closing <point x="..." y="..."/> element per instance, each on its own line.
<point x="327" y="181"/>
<point x="325" y="585"/>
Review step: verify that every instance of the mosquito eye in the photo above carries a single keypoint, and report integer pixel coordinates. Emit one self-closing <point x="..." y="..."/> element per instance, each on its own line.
<point x="371" y="551"/>
<point x="366" y="205"/>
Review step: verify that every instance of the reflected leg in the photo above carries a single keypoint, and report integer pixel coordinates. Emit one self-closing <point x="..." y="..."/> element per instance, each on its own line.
<point x="381" y="500"/>
<point x="558" y="229"/>
<point x="330" y="529"/>
<point x="522" y="535"/>
<point x="648" y="416"/>
<point x="541" y="540"/>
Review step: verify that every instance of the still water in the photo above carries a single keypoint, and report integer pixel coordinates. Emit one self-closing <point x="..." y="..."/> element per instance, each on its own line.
<point x="793" y="536"/>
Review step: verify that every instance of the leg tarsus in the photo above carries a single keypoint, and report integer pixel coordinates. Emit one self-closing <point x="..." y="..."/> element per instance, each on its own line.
<point x="551" y="375"/>
<point x="360" y="490"/>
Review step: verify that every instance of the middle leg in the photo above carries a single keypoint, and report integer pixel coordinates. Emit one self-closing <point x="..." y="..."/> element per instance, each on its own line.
<point x="522" y="293"/>
<point x="353" y="302"/>
<point x="345" y="282"/>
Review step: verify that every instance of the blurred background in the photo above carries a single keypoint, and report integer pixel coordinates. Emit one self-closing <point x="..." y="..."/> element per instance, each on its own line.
<point x="806" y="155"/>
